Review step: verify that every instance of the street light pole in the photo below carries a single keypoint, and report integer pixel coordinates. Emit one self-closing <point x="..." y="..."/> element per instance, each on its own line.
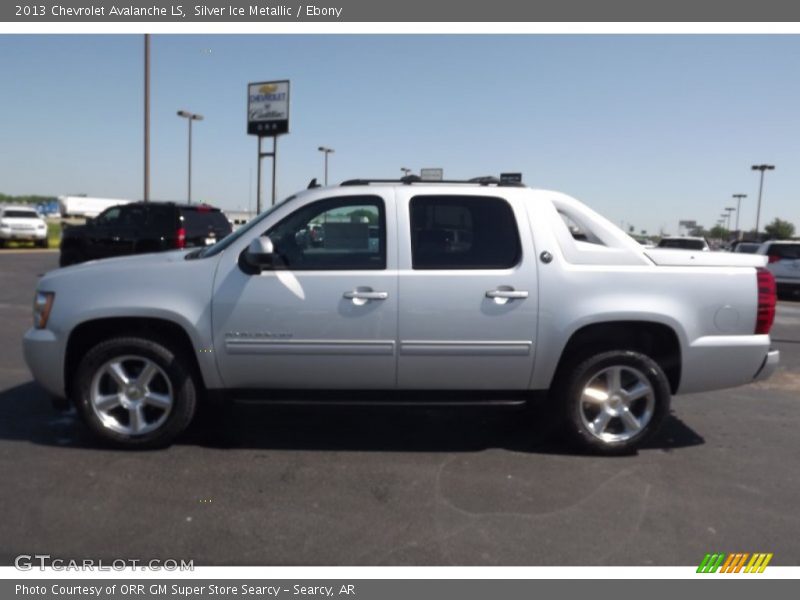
<point x="326" y="151"/>
<point x="738" y="207"/>
<point x="190" y="117"/>
<point x="146" y="117"/>
<point x="405" y="171"/>
<point x="761" y="168"/>
<point x="729" y="210"/>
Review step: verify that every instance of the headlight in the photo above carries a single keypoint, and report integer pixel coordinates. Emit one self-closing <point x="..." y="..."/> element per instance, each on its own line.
<point x="42" y="304"/>
<point x="41" y="226"/>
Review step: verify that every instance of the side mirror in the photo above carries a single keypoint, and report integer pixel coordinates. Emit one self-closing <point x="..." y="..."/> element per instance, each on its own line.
<point x="259" y="253"/>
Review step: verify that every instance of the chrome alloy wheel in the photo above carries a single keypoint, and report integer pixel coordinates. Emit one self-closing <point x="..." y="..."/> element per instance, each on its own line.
<point x="617" y="404"/>
<point x="131" y="395"/>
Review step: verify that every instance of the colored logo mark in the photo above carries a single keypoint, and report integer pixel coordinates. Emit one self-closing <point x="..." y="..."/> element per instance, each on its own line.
<point x="735" y="562"/>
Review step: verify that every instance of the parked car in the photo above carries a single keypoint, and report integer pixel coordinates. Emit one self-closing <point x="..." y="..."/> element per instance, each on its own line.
<point x="518" y="309"/>
<point x="684" y="243"/>
<point x="784" y="262"/>
<point x="142" y="227"/>
<point x="22" y="224"/>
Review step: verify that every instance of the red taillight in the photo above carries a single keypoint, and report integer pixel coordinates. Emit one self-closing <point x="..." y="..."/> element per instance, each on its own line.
<point x="766" y="301"/>
<point x="773" y="258"/>
<point x="181" y="241"/>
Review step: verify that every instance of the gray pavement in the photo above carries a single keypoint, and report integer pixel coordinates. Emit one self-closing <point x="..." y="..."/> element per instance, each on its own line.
<point x="324" y="486"/>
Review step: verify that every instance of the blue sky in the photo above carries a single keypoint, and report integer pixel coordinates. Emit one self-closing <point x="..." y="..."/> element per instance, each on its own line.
<point x="646" y="129"/>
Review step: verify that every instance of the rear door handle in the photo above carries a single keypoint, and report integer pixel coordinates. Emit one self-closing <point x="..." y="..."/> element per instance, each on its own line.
<point x="356" y="295"/>
<point x="507" y="294"/>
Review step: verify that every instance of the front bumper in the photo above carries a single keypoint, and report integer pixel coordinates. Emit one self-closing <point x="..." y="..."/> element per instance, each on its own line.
<point x="44" y="355"/>
<point x="23" y="236"/>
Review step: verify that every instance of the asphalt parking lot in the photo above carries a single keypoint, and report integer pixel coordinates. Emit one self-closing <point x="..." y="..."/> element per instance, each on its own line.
<point x="286" y="486"/>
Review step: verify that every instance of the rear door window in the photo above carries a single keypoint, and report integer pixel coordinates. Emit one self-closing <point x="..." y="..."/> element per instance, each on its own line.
<point x="463" y="232"/>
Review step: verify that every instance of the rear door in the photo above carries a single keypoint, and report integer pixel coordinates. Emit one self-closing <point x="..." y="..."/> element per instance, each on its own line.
<point x="102" y="234"/>
<point x="127" y="236"/>
<point x="468" y="292"/>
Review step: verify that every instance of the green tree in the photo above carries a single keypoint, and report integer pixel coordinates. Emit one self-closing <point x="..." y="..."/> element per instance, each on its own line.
<point x="779" y="229"/>
<point x="719" y="232"/>
<point x="699" y="231"/>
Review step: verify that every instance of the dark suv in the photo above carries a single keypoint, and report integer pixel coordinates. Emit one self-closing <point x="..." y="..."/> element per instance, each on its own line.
<point x="142" y="227"/>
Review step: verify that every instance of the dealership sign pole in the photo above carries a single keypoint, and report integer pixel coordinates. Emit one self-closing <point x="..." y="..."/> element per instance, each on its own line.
<point x="267" y="116"/>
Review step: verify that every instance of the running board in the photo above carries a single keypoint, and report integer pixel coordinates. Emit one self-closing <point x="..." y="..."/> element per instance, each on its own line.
<point x="420" y="398"/>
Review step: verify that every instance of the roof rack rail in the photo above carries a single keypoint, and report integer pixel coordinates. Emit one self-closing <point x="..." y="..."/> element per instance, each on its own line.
<point x="410" y="179"/>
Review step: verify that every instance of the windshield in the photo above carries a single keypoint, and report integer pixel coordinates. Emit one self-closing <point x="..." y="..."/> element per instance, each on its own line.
<point x="230" y="239"/>
<point x="21" y="214"/>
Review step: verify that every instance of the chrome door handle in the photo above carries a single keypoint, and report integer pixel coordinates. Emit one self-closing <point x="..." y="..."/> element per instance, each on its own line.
<point x="507" y="294"/>
<point x="366" y="295"/>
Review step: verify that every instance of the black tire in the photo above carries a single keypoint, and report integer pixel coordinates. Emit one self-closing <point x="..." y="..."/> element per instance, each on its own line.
<point x="173" y="366"/>
<point x="2" y="243"/>
<point x="45" y="243"/>
<point x="619" y="437"/>
<point x="70" y="256"/>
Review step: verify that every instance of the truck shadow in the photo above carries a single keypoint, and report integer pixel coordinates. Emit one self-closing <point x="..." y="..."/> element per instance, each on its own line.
<point x="26" y="415"/>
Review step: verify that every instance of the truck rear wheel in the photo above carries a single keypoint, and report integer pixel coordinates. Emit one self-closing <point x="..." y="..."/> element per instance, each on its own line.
<point x="135" y="392"/>
<point x="613" y="401"/>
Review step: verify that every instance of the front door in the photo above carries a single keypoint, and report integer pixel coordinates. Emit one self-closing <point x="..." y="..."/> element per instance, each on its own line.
<point x="468" y="293"/>
<point x="326" y="315"/>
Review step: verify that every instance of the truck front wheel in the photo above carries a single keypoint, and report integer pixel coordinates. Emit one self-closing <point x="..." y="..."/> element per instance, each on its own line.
<point x="135" y="392"/>
<point x="613" y="401"/>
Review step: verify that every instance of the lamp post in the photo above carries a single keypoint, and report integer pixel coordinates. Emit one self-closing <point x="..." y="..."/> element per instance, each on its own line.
<point x="326" y="151"/>
<point x="729" y="210"/>
<point x="146" y="117"/>
<point x="190" y="117"/>
<point x="738" y="207"/>
<point x="761" y="168"/>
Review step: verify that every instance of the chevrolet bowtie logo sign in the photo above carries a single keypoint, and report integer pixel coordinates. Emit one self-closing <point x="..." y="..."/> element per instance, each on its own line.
<point x="738" y="562"/>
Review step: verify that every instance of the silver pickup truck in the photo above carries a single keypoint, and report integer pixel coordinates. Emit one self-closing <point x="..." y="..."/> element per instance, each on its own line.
<point x="410" y="291"/>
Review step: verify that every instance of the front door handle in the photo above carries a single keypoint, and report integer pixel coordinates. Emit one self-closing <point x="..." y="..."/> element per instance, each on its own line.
<point x="362" y="297"/>
<point x="507" y="294"/>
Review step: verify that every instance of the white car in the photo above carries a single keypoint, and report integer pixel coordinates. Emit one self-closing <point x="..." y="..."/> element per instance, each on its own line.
<point x="784" y="262"/>
<point x="22" y="224"/>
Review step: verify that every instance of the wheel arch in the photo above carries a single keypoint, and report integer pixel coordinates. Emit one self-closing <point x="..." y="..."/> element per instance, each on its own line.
<point x="657" y="340"/>
<point x="89" y="333"/>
